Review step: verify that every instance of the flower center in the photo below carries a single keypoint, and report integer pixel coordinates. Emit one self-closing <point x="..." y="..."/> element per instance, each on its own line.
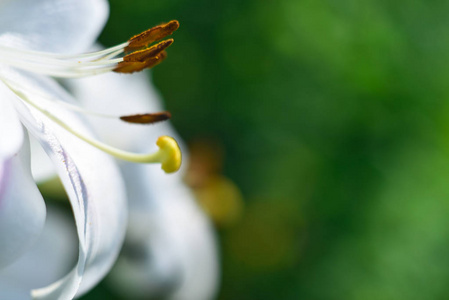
<point x="132" y="56"/>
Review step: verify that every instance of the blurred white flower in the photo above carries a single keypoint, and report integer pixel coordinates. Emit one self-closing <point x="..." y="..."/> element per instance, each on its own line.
<point x="35" y="39"/>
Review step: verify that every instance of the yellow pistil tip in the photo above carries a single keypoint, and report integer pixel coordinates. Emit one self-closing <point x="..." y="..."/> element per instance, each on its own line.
<point x="170" y="154"/>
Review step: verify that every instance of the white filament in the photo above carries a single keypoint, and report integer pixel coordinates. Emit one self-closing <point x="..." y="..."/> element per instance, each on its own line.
<point x="64" y="66"/>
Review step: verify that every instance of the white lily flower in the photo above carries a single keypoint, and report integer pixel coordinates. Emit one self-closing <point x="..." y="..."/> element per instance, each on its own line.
<point x="170" y="248"/>
<point x="35" y="37"/>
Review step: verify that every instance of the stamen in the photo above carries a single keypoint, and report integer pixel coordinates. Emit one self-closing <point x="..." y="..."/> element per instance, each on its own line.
<point x="168" y="155"/>
<point x="147" y="118"/>
<point x="94" y="63"/>
<point x="151" y="35"/>
<point x="143" y="55"/>
<point x="131" y="66"/>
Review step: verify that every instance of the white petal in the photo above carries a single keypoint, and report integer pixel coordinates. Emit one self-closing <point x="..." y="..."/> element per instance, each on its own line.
<point x="22" y="209"/>
<point x="48" y="260"/>
<point x="52" y="25"/>
<point x="11" y="132"/>
<point x="96" y="192"/>
<point x="9" y="291"/>
<point x="42" y="167"/>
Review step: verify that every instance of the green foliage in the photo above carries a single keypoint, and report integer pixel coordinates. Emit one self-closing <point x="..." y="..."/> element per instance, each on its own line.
<point x="334" y="109"/>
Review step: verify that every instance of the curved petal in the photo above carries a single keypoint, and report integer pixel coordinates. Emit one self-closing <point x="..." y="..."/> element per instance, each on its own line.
<point x="42" y="167"/>
<point x="10" y="127"/>
<point x="11" y="133"/>
<point x="175" y="241"/>
<point x="68" y="26"/>
<point x="9" y="291"/>
<point x="22" y="209"/>
<point x="95" y="189"/>
<point x="48" y="260"/>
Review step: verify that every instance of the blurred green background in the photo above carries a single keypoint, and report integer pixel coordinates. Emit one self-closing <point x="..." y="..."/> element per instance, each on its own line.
<point x="333" y="120"/>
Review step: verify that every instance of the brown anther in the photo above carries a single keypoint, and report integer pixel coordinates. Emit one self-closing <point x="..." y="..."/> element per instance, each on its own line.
<point x="143" y="55"/>
<point x="155" y="60"/>
<point x="129" y="67"/>
<point x="151" y="35"/>
<point x="137" y="66"/>
<point x="147" y="118"/>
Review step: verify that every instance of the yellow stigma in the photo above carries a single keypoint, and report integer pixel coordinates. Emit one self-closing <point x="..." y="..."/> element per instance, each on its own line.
<point x="170" y="154"/>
